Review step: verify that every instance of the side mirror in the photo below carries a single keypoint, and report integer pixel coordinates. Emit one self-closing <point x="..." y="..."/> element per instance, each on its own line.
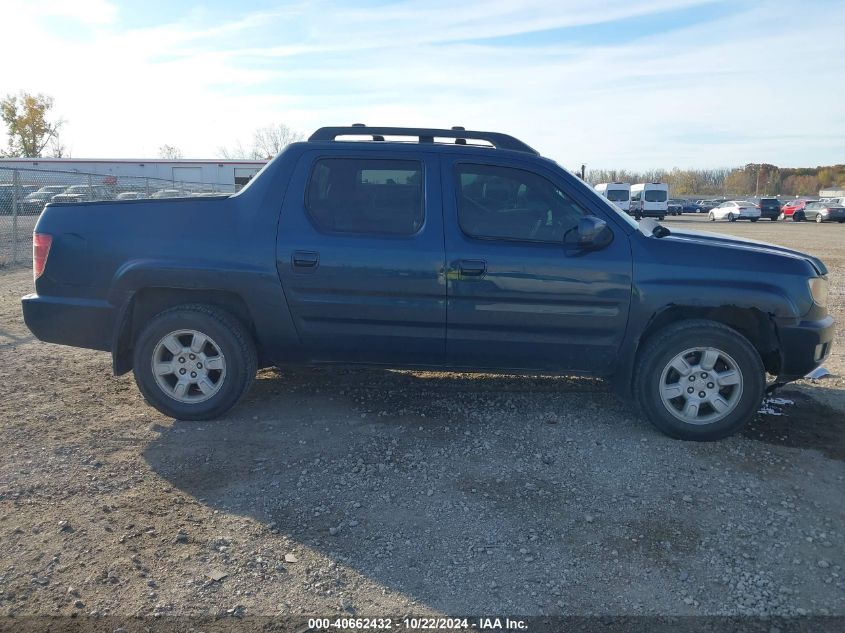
<point x="589" y="234"/>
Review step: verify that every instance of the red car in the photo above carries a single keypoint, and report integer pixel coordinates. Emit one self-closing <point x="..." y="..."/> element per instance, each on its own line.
<point x="795" y="210"/>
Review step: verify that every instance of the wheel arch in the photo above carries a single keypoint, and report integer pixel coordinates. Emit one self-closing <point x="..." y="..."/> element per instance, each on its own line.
<point x="146" y="302"/>
<point x="753" y="323"/>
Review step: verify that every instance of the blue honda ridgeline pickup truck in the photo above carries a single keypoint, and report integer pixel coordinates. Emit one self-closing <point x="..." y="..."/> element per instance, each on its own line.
<point x="460" y="250"/>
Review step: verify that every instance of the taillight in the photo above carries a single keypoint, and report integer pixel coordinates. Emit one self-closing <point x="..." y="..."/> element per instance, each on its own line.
<point x="40" y="250"/>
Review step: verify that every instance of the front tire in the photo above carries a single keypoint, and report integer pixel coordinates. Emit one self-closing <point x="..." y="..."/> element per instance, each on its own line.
<point x="194" y="362"/>
<point x="699" y="380"/>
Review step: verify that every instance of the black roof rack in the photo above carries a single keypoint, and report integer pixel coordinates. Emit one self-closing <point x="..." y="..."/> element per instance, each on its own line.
<point x="424" y="135"/>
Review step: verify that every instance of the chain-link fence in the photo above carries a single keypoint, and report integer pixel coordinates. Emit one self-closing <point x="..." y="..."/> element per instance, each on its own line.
<point x="24" y="192"/>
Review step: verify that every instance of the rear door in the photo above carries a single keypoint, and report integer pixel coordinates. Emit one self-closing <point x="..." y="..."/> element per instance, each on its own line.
<point x="516" y="298"/>
<point x="361" y="257"/>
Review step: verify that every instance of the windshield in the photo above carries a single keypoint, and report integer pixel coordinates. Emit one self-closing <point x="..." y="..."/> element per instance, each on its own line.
<point x="618" y="195"/>
<point x="655" y="195"/>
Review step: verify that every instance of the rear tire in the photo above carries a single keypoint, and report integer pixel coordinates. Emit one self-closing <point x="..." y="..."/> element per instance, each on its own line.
<point x="754" y="219"/>
<point x="194" y="362"/>
<point x="731" y="217"/>
<point x="734" y="382"/>
<point x="711" y="217"/>
<point x="819" y="219"/>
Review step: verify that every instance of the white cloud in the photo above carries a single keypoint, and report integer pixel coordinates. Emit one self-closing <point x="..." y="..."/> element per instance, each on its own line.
<point x="721" y="93"/>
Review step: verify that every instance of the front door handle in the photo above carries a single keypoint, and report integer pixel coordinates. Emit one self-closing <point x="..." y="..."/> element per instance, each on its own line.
<point x="305" y="259"/>
<point x="472" y="267"/>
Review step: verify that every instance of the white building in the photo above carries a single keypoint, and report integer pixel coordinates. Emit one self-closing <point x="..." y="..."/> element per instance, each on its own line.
<point x="226" y="174"/>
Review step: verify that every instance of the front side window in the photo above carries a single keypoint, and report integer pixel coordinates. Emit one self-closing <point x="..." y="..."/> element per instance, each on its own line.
<point x="512" y="204"/>
<point x="366" y="196"/>
<point x="655" y="195"/>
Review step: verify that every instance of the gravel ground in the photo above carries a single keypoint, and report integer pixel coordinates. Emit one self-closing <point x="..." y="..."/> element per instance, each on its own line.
<point x="336" y="491"/>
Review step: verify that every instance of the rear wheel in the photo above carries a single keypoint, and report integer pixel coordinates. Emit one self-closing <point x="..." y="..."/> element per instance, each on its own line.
<point x="819" y="219"/>
<point x="194" y="362"/>
<point x="731" y="217"/>
<point x="699" y="380"/>
<point x="754" y="219"/>
<point x="711" y="217"/>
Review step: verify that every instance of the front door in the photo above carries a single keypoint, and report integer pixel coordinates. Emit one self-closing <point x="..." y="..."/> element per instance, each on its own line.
<point x="361" y="257"/>
<point x="517" y="298"/>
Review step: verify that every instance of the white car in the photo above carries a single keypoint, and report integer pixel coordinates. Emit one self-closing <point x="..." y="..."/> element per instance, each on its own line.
<point x="733" y="210"/>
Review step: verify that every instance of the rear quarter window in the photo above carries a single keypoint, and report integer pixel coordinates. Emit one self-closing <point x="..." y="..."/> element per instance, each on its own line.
<point x="366" y="196"/>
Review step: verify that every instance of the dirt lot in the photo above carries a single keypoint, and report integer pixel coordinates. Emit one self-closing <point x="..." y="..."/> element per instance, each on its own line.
<point x="376" y="492"/>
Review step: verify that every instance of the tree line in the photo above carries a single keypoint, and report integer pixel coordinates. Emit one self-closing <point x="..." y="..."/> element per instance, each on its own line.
<point x="33" y="133"/>
<point x="751" y="180"/>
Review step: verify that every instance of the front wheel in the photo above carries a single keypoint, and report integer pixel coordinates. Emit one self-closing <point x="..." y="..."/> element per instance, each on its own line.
<point x="699" y="380"/>
<point x="194" y="362"/>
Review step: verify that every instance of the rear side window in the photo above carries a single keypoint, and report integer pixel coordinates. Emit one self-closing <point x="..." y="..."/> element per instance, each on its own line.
<point x="512" y="204"/>
<point x="366" y="196"/>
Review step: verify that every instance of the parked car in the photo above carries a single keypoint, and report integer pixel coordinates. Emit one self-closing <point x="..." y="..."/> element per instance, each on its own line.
<point x="824" y="212"/>
<point x="688" y="206"/>
<point x="35" y="201"/>
<point x="705" y="205"/>
<point x="794" y="209"/>
<point x="427" y="255"/>
<point x="675" y="206"/>
<point x="7" y="197"/>
<point x="130" y="195"/>
<point x="84" y="193"/>
<point x="769" y="208"/>
<point x="169" y="193"/>
<point x="734" y="210"/>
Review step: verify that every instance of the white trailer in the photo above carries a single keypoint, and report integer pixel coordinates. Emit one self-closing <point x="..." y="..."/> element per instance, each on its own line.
<point x="619" y="193"/>
<point x="649" y="199"/>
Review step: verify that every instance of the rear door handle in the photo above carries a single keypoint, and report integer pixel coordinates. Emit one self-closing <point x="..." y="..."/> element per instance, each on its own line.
<point x="305" y="259"/>
<point x="472" y="267"/>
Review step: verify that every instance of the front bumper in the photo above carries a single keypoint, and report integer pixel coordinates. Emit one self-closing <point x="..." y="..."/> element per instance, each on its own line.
<point x="804" y="346"/>
<point x="70" y="321"/>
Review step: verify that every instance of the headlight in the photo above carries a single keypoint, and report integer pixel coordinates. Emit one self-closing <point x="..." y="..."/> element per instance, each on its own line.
<point x="818" y="290"/>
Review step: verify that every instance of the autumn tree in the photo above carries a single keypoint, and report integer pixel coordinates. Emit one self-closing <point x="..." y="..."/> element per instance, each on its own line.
<point x="28" y="126"/>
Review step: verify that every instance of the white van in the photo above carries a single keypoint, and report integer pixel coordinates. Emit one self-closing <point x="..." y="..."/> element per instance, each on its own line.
<point x="650" y="199"/>
<point x="619" y="193"/>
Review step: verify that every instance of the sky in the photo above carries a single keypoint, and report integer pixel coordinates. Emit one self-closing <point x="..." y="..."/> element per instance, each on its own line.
<point x="615" y="84"/>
